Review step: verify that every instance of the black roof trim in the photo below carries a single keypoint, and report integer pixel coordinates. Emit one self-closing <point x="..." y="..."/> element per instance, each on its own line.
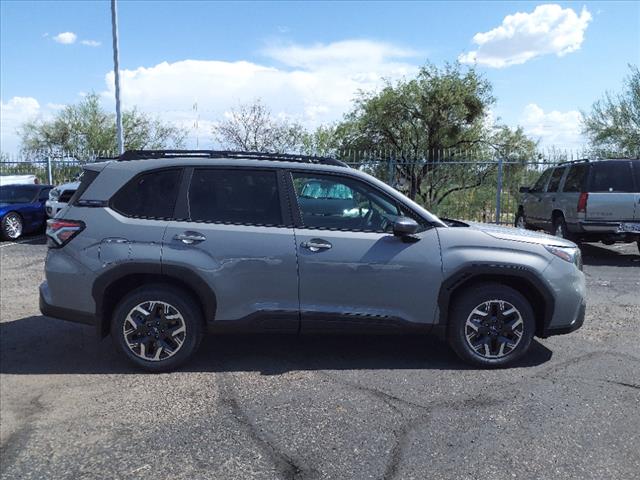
<point x="282" y="157"/>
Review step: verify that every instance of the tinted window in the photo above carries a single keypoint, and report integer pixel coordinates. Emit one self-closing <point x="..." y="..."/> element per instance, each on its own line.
<point x="18" y="194"/>
<point x="44" y="194"/>
<point x="86" y="178"/>
<point x="235" y="196"/>
<point x="542" y="181"/>
<point x="151" y="195"/>
<point x="611" y="177"/>
<point x="555" y="180"/>
<point x="341" y="203"/>
<point x="575" y="179"/>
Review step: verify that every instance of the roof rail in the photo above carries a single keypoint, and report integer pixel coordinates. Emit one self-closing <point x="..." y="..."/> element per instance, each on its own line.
<point x="283" y="157"/>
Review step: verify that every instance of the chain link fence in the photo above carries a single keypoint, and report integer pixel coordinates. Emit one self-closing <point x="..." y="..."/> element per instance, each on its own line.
<point x="463" y="185"/>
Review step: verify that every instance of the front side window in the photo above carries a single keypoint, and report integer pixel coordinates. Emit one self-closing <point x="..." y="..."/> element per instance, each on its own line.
<point x="542" y="181"/>
<point x="235" y="196"/>
<point x="150" y="195"/>
<point x="342" y="203"/>
<point x="554" y="183"/>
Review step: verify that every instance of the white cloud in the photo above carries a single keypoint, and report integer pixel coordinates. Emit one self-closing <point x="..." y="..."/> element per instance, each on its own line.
<point x="549" y="29"/>
<point x="560" y="129"/>
<point x="316" y="85"/>
<point x="13" y="113"/>
<point x="91" y="43"/>
<point x="66" y="38"/>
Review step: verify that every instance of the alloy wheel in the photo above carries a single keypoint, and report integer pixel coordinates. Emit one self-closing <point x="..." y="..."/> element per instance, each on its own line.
<point x="12" y="226"/>
<point x="520" y="223"/>
<point x="494" y="329"/>
<point x="154" y="330"/>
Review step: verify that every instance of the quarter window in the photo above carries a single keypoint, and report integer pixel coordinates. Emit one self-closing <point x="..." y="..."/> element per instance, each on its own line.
<point x="151" y="195"/>
<point x="235" y="196"/>
<point x="340" y="203"/>
<point x="575" y="179"/>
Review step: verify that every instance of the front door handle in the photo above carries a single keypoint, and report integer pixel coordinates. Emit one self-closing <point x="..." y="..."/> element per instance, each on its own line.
<point x="316" y="244"/>
<point x="189" y="238"/>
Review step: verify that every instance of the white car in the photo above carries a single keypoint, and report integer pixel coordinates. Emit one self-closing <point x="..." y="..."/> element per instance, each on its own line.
<point x="59" y="196"/>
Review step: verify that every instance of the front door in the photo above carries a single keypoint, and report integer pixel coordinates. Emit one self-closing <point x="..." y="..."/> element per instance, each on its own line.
<point x="353" y="271"/>
<point x="236" y="239"/>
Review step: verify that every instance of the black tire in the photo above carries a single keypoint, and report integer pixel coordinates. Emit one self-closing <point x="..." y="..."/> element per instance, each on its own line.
<point x="638" y="244"/>
<point x="180" y="301"/>
<point x="520" y="221"/>
<point x="10" y="220"/>
<point x="466" y="303"/>
<point x="560" y="228"/>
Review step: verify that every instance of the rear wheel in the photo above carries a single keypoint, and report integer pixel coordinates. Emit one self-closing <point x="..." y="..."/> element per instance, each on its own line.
<point x="157" y="328"/>
<point x="491" y="325"/>
<point x="11" y="226"/>
<point x="560" y="228"/>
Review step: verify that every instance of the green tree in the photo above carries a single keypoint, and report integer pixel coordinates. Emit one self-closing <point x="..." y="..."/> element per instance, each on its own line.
<point x="252" y="127"/>
<point x="86" y="127"/>
<point x="442" y="109"/>
<point x="613" y="125"/>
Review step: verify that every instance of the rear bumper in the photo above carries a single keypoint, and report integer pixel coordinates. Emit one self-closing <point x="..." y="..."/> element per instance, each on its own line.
<point x="596" y="231"/>
<point x="62" y="313"/>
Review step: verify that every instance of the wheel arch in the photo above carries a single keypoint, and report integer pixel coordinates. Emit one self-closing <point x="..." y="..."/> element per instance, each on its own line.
<point x="112" y="286"/>
<point x="519" y="278"/>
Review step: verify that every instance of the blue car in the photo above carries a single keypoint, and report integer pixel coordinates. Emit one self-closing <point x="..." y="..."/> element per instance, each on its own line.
<point x="22" y="209"/>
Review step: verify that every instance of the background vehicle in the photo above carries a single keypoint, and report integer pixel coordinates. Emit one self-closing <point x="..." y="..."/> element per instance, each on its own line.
<point x="22" y="209"/>
<point x="59" y="196"/>
<point x="170" y="244"/>
<point x="586" y="201"/>
<point x="18" y="180"/>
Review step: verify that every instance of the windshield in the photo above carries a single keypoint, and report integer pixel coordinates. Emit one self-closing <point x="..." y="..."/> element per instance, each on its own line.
<point x="17" y="194"/>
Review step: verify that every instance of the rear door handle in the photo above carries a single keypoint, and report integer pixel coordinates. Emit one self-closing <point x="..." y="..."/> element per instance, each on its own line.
<point x="316" y="244"/>
<point x="189" y="238"/>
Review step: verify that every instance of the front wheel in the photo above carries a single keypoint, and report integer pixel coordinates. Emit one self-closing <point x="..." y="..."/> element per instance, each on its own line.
<point x="11" y="226"/>
<point x="520" y="221"/>
<point x="157" y="328"/>
<point x="491" y="325"/>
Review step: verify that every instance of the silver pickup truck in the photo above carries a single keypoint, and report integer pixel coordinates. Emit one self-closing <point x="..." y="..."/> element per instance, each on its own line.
<point x="585" y="201"/>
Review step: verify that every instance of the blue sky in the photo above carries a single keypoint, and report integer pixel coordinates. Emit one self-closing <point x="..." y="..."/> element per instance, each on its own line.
<point x="306" y="60"/>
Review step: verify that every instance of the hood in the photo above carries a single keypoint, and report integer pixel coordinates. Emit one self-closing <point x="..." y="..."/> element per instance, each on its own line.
<point x="520" y="235"/>
<point x="68" y="186"/>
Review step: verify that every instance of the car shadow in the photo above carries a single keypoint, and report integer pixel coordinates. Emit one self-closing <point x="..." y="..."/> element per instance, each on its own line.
<point x="40" y="345"/>
<point x="597" y="255"/>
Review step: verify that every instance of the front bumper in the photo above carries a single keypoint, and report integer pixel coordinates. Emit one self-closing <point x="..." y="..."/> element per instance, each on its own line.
<point x="52" y="207"/>
<point x="62" y="313"/>
<point x="572" y="327"/>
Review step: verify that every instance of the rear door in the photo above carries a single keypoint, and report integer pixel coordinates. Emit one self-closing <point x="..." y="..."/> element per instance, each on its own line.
<point x="574" y="185"/>
<point x="235" y="234"/>
<point x="613" y="195"/>
<point x="354" y="273"/>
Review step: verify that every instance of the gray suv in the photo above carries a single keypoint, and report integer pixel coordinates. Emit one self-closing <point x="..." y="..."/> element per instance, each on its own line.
<point x="590" y="201"/>
<point x="157" y="247"/>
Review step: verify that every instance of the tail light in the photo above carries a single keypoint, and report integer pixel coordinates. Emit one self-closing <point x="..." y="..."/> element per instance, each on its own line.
<point x="582" y="202"/>
<point x="60" y="232"/>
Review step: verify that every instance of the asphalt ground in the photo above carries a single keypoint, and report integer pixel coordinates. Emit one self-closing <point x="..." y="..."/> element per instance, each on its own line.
<point x="321" y="407"/>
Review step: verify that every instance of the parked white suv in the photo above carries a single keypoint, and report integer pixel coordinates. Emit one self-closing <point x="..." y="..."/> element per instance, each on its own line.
<point x="59" y="197"/>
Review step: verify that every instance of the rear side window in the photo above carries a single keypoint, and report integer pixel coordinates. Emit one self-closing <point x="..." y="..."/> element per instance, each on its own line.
<point x="86" y="179"/>
<point x="150" y="195"/>
<point x="542" y="181"/>
<point x="611" y="177"/>
<point x="555" y="180"/>
<point x="575" y="179"/>
<point x="235" y="196"/>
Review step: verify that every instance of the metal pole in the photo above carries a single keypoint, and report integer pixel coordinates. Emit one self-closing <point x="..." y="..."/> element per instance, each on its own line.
<point x="49" y="169"/>
<point x="116" y="70"/>
<point x="499" y="190"/>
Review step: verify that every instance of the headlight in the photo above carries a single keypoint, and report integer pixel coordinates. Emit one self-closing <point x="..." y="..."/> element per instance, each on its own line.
<point x="54" y="194"/>
<point x="568" y="254"/>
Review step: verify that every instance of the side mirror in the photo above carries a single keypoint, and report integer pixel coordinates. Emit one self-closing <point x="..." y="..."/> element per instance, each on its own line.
<point x="404" y="226"/>
<point x="525" y="189"/>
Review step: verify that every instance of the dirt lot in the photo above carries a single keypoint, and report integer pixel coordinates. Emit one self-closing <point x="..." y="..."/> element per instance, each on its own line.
<point x="321" y="407"/>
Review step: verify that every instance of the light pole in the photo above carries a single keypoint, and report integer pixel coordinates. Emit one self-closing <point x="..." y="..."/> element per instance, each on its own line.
<point x="116" y="70"/>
